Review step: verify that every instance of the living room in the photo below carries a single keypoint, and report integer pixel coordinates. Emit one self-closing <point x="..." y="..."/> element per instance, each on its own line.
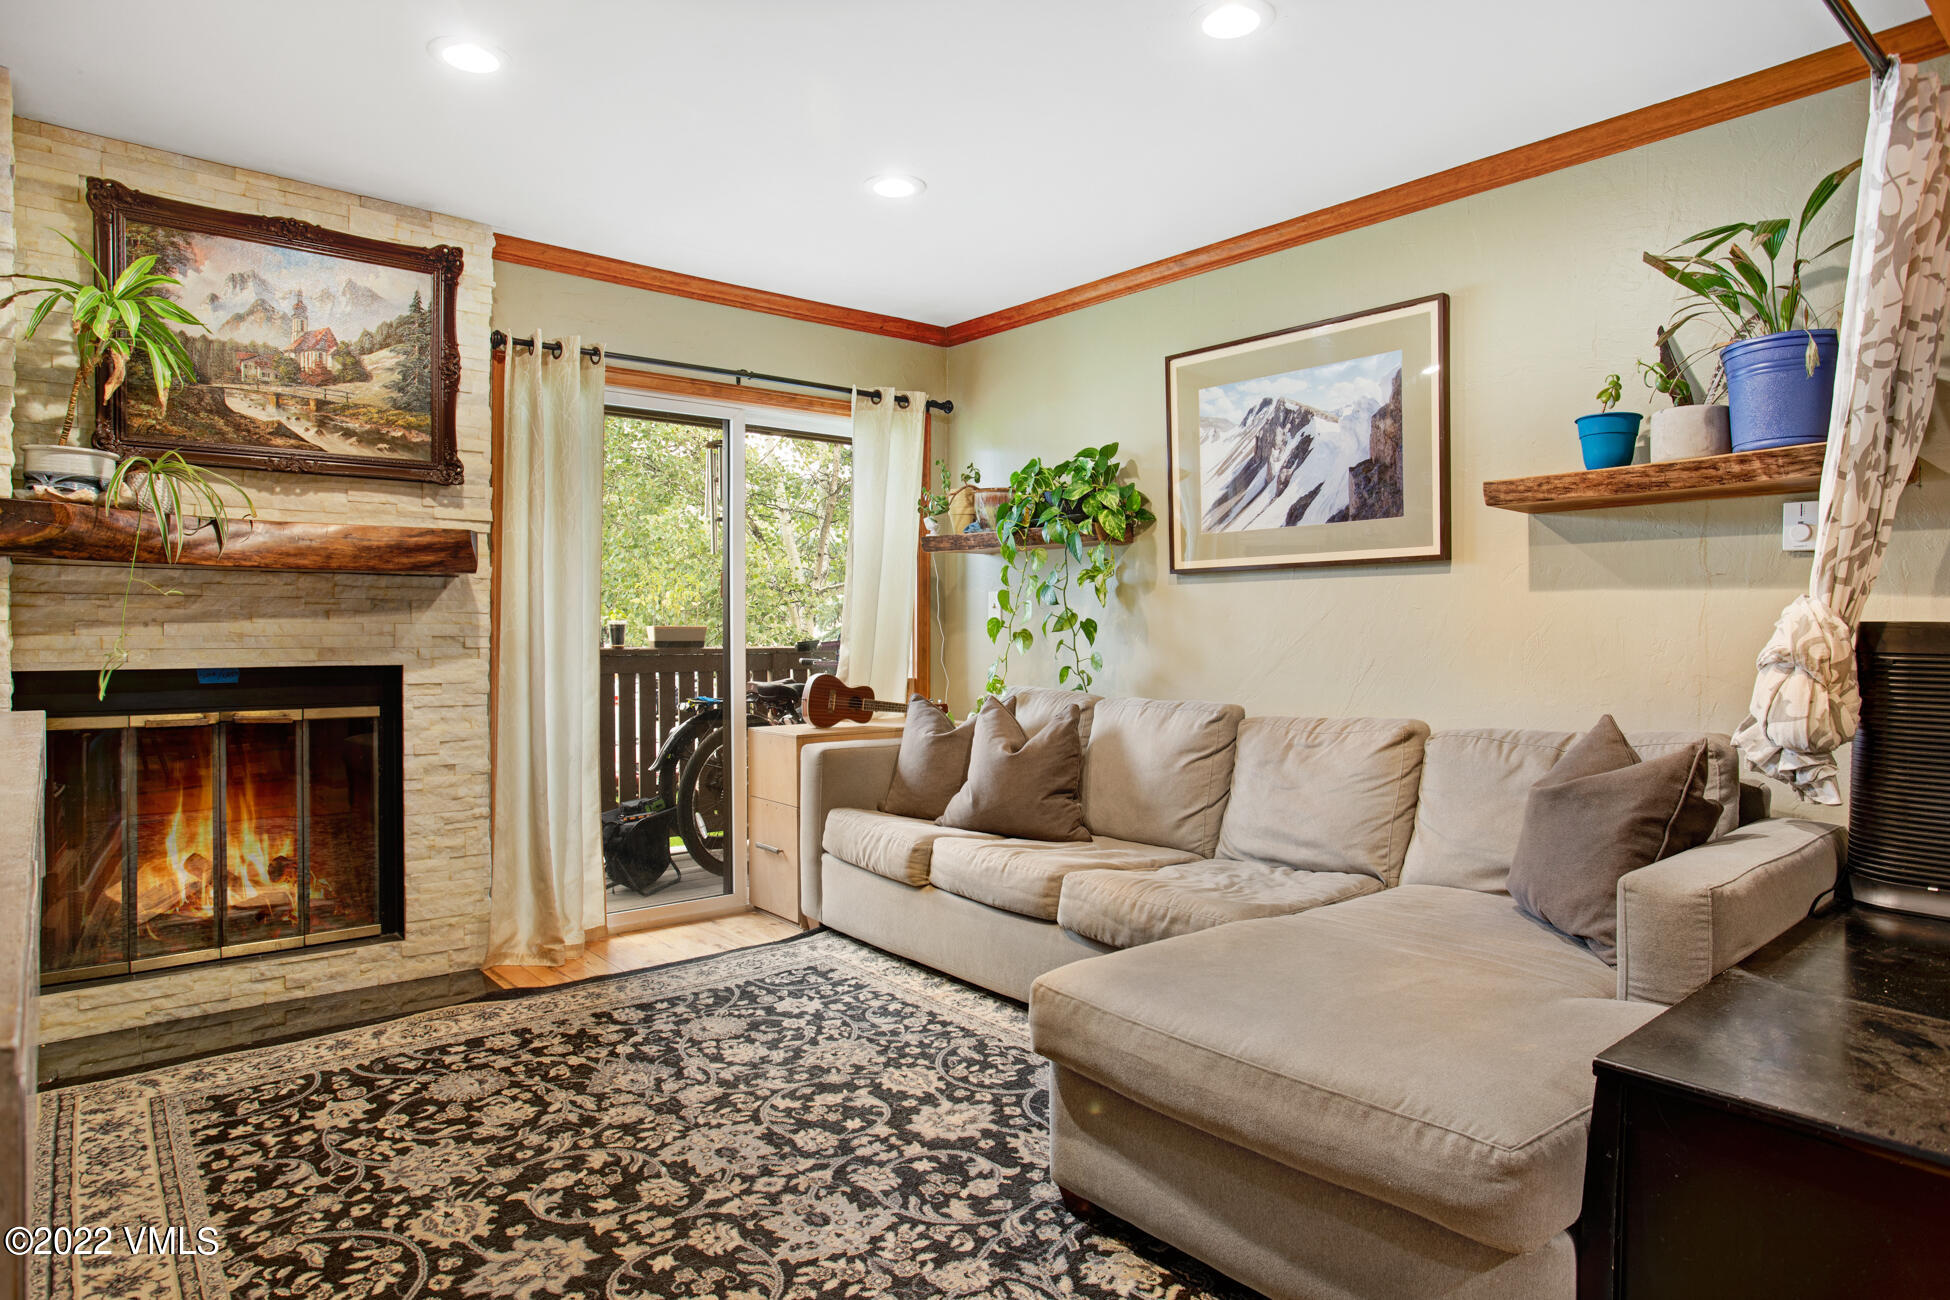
<point x="1439" y="796"/>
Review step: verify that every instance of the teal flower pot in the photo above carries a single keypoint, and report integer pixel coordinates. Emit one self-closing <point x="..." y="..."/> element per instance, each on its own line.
<point x="1608" y="438"/>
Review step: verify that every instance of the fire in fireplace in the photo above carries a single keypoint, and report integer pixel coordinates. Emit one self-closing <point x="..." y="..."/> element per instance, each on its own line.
<point x="198" y="816"/>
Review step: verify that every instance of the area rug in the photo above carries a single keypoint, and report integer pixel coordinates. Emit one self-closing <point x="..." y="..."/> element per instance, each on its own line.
<point x="811" y="1118"/>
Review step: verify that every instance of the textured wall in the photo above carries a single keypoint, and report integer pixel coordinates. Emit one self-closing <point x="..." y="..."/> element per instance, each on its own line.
<point x="64" y="616"/>
<point x="1654" y="613"/>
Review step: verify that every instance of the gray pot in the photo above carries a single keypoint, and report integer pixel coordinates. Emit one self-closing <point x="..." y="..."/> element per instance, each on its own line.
<point x="1686" y="432"/>
<point x="63" y="470"/>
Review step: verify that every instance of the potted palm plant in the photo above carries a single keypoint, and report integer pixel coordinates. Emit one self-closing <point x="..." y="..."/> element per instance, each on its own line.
<point x="1779" y="361"/>
<point x="112" y="323"/>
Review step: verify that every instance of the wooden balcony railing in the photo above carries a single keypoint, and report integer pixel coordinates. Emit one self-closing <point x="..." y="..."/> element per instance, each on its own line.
<point x="642" y="690"/>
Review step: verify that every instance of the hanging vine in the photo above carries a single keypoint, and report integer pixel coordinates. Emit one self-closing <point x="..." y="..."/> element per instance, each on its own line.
<point x="1081" y="509"/>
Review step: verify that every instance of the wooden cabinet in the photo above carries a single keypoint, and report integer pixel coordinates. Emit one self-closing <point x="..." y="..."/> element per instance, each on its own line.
<point x="1782" y="1131"/>
<point x="772" y="806"/>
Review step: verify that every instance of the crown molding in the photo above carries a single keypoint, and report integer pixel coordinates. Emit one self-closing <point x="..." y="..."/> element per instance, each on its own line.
<point x="594" y="266"/>
<point x="1796" y="79"/>
<point x="1924" y="38"/>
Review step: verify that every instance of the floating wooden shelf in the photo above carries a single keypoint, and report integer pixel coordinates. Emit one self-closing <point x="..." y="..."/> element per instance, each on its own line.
<point x="1777" y="471"/>
<point x="987" y="543"/>
<point x="60" y="532"/>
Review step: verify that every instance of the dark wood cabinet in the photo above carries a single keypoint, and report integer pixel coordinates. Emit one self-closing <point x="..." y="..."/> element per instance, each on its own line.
<point x="1785" y="1131"/>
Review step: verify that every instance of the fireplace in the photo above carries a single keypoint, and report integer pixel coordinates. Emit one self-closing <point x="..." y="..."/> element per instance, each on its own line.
<point x="204" y="815"/>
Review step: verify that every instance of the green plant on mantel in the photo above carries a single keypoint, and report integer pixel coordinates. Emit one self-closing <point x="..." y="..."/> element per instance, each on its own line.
<point x="181" y="499"/>
<point x="1716" y="268"/>
<point x="1080" y="507"/>
<point x="1610" y="393"/>
<point x="111" y="321"/>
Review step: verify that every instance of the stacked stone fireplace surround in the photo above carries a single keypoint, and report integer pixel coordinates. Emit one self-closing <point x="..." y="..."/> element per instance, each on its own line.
<point x="436" y="629"/>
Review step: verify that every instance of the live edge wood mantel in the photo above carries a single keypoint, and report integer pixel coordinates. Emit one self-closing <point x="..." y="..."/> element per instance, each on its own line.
<point x="60" y="532"/>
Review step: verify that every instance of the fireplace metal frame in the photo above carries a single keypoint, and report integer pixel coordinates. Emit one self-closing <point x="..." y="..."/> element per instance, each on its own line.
<point x="144" y="700"/>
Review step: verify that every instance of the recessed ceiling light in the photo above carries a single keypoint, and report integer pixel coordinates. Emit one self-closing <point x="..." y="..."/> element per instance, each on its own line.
<point x="468" y="56"/>
<point x="894" y="185"/>
<point x="1228" y="20"/>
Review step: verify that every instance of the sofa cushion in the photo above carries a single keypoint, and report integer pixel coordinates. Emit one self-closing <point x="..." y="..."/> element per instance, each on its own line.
<point x="1600" y="813"/>
<point x="1037" y="706"/>
<point x="1428" y="1047"/>
<point x="1476" y="783"/>
<point x="933" y="762"/>
<point x="1019" y="784"/>
<point x="899" y="848"/>
<point x="1158" y="771"/>
<point x="1324" y="794"/>
<point x="1127" y="908"/>
<point x="1026" y="876"/>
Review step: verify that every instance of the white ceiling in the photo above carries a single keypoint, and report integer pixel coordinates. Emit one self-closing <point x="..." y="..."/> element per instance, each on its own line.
<point x="1061" y="140"/>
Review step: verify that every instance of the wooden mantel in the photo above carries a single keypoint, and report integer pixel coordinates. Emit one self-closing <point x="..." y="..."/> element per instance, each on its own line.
<point x="61" y="532"/>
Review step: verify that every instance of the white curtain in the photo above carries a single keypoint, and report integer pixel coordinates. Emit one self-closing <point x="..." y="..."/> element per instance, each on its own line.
<point x="547" y="848"/>
<point x="877" y="620"/>
<point x="1805" y="704"/>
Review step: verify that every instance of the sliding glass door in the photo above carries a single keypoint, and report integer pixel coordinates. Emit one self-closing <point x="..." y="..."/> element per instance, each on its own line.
<point x="672" y="707"/>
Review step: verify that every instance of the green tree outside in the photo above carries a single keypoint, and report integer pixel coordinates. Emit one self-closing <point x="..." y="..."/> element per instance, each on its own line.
<point x="661" y="562"/>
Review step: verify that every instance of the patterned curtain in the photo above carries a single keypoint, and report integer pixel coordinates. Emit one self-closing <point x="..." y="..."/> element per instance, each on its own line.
<point x="1805" y="704"/>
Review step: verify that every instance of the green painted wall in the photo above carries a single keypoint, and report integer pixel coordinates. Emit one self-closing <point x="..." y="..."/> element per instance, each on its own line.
<point x="1653" y="613"/>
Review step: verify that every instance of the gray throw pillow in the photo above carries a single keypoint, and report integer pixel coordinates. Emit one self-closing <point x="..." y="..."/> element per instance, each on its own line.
<point x="932" y="765"/>
<point x="1022" y="786"/>
<point x="1599" y="813"/>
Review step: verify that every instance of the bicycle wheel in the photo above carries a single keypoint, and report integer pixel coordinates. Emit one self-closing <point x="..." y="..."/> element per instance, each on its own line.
<point x="703" y="802"/>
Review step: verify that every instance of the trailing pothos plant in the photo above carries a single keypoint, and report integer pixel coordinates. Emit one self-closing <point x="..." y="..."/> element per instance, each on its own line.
<point x="181" y="499"/>
<point x="1082" y="510"/>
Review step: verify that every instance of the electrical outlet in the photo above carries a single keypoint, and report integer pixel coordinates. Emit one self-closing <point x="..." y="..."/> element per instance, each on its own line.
<point x="1798" y="525"/>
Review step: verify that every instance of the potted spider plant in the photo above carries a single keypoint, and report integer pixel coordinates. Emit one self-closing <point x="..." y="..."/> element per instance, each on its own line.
<point x="1608" y="438"/>
<point x="180" y="500"/>
<point x="112" y="322"/>
<point x="1779" y="360"/>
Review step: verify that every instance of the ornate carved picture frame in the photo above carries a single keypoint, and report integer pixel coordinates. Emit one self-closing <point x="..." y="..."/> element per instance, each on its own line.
<point x="325" y="353"/>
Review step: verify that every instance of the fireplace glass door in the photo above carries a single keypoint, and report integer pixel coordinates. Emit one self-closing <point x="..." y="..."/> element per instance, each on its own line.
<point x="178" y="838"/>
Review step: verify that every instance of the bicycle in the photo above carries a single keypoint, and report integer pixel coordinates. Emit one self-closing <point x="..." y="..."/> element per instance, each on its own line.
<point x="693" y="796"/>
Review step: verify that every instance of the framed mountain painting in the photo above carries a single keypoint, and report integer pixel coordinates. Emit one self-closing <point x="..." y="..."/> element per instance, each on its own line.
<point x="321" y="352"/>
<point x="1323" y="444"/>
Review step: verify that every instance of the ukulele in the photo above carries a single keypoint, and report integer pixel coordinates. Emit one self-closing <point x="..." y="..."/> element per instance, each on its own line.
<point x="829" y="700"/>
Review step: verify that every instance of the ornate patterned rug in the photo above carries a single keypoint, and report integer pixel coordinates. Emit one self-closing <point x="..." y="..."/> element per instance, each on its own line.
<point x="811" y="1118"/>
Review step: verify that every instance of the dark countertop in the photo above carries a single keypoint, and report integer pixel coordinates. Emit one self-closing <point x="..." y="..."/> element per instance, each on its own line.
<point x="1842" y="1024"/>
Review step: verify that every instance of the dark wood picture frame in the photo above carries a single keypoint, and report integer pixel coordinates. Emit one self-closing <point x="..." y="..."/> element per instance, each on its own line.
<point x="1440" y="553"/>
<point x="115" y="205"/>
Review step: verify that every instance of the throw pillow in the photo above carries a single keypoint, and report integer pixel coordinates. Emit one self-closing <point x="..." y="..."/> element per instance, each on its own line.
<point x="1600" y="812"/>
<point x="932" y="765"/>
<point x="1021" y="786"/>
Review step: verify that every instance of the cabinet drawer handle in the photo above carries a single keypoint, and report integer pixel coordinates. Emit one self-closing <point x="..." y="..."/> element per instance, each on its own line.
<point x="769" y="848"/>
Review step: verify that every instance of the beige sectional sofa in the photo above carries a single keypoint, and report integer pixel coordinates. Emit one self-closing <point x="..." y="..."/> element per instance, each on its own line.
<point x="1314" y="1042"/>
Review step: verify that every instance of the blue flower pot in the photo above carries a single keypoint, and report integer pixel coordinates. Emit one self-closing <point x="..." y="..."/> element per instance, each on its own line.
<point x="1609" y="438"/>
<point x="1772" y="399"/>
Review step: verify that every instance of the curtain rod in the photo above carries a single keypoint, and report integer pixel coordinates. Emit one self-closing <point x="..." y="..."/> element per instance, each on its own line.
<point x="1858" y="32"/>
<point x="499" y="340"/>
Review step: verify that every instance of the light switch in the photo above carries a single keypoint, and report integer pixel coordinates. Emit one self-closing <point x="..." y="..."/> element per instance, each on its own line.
<point x="1798" y="525"/>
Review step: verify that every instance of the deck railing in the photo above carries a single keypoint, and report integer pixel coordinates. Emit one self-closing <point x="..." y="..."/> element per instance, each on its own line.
<point x="641" y="691"/>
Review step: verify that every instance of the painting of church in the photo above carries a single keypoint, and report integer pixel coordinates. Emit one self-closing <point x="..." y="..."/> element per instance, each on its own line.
<point x="311" y="348"/>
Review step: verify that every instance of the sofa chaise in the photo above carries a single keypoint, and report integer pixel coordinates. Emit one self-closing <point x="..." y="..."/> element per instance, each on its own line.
<point x="1297" y="1026"/>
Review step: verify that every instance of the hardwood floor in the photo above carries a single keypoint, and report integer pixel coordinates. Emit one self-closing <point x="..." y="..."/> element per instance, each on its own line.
<point x="635" y="951"/>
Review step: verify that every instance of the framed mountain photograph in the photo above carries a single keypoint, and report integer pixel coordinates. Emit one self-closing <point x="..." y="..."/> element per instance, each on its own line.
<point x="324" y="353"/>
<point x="1323" y="444"/>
